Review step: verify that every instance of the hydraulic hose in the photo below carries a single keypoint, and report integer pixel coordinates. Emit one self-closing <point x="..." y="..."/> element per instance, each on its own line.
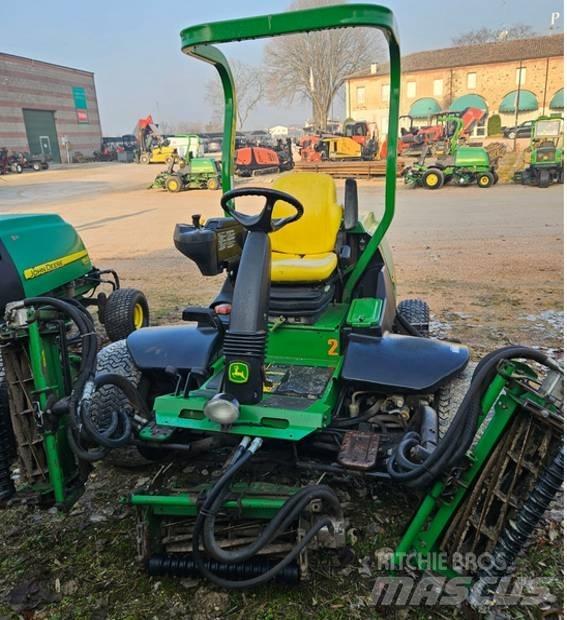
<point x="282" y="520"/>
<point x="84" y="323"/>
<point x="106" y="437"/>
<point x="454" y="445"/>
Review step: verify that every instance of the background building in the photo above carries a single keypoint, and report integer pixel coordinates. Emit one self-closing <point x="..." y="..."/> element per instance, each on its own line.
<point x="492" y="76"/>
<point x="47" y="109"/>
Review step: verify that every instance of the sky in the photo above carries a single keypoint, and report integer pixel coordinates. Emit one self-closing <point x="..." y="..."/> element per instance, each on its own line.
<point x="133" y="46"/>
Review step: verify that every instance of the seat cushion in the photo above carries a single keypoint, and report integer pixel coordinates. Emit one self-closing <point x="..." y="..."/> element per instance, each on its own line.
<point x="307" y="268"/>
<point x="316" y="231"/>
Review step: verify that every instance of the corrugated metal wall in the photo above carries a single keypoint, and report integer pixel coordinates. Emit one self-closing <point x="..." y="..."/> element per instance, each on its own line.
<point x="27" y="84"/>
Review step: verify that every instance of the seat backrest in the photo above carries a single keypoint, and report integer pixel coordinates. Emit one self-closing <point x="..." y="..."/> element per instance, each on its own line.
<point x="316" y="231"/>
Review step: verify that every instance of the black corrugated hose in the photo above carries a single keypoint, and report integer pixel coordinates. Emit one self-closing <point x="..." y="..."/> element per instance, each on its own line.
<point x="457" y="440"/>
<point x="204" y="526"/>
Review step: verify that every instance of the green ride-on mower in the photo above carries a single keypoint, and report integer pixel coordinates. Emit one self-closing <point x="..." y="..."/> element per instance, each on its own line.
<point x="545" y="153"/>
<point x="460" y="164"/>
<point x="304" y="367"/>
<point x="191" y="173"/>
<point x="47" y="284"/>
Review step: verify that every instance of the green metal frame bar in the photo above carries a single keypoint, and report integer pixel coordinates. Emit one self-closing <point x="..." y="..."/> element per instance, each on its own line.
<point x="198" y="41"/>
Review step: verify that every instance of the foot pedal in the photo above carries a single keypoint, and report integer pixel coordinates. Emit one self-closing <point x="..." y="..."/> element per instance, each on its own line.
<point x="359" y="450"/>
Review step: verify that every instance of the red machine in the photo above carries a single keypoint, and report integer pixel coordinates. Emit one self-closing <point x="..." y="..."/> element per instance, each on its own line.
<point x="252" y="160"/>
<point x="413" y="139"/>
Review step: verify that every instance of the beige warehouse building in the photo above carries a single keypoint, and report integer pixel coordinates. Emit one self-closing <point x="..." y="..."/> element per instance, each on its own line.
<point x="517" y="79"/>
<point x="47" y="109"/>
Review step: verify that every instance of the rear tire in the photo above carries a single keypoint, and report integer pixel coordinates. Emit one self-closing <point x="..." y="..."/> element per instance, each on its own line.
<point x="125" y="311"/>
<point x="449" y="397"/>
<point x="212" y="183"/>
<point x="416" y="313"/>
<point x="433" y="179"/>
<point x="36" y="166"/>
<point x="485" y="179"/>
<point x="496" y="177"/>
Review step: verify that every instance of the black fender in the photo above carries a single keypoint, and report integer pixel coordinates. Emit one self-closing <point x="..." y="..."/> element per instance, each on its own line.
<point x="183" y="347"/>
<point x="401" y="364"/>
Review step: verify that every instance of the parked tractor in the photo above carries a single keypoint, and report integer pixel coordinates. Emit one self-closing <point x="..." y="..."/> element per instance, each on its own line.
<point x="191" y="173"/>
<point x="545" y="154"/>
<point x="303" y="370"/>
<point x="459" y="164"/>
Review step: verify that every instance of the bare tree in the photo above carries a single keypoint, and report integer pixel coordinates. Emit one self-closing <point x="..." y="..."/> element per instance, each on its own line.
<point x="249" y="84"/>
<point x="315" y="65"/>
<point x="491" y="35"/>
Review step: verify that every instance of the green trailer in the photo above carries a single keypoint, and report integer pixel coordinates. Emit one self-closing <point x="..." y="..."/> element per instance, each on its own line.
<point x="545" y="164"/>
<point x="302" y="371"/>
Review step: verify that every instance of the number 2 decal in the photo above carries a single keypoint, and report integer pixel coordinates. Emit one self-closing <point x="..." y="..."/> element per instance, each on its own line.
<point x="333" y="346"/>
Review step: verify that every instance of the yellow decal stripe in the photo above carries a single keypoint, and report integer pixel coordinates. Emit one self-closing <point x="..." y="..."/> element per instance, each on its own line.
<point x="52" y="265"/>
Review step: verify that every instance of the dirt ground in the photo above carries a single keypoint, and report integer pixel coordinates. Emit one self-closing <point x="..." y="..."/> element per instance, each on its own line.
<point x="488" y="261"/>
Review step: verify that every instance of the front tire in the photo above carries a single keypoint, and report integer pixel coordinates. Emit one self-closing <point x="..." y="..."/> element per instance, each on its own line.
<point x="433" y="179"/>
<point x="145" y="158"/>
<point x="173" y="184"/>
<point x="125" y="311"/>
<point x="544" y="178"/>
<point x="116" y="359"/>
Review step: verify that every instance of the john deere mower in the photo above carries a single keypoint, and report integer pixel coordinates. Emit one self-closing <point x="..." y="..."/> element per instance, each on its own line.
<point x="545" y="153"/>
<point x="305" y="366"/>
<point x="191" y="173"/>
<point x="459" y="164"/>
<point x="47" y="334"/>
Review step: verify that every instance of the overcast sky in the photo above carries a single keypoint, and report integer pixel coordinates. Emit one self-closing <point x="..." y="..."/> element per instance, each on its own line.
<point x="133" y="46"/>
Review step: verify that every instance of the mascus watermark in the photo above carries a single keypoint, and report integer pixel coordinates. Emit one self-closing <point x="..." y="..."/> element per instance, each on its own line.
<point x="421" y="588"/>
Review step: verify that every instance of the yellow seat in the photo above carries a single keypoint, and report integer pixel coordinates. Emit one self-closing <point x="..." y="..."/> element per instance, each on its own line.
<point x="304" y="251"/>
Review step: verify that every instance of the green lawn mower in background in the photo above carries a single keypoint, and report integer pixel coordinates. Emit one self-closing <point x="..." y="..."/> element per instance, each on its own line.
<point x="47" y="285"/>
<point x="461" y="165"/>
<point x="305" y="371"/>
<point x="545" y="153"/>
<point x="191" y="173"/>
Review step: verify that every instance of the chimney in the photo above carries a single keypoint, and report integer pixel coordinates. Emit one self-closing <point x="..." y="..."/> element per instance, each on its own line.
<point x="373" y="68"/>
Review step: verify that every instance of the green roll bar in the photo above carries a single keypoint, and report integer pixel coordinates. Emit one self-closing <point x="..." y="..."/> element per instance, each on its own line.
<point x="198" y="41"/>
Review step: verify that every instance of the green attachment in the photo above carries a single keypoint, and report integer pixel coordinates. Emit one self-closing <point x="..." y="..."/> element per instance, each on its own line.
<point x="502" y="401"/>
<point x="365" y="312"/>
<point x="198" y="41"/>
<point x="43" y="266"/>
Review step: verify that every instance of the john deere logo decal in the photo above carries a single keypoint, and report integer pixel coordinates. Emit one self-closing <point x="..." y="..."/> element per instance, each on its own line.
<point x="41" y="270"/>
<point x="238" y="372"/>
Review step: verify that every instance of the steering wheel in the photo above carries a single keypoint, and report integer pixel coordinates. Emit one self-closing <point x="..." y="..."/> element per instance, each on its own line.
<point x="262" y="222"/>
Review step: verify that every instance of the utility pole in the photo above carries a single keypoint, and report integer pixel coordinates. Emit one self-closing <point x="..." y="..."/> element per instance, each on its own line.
<point x="517" y="102"/>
